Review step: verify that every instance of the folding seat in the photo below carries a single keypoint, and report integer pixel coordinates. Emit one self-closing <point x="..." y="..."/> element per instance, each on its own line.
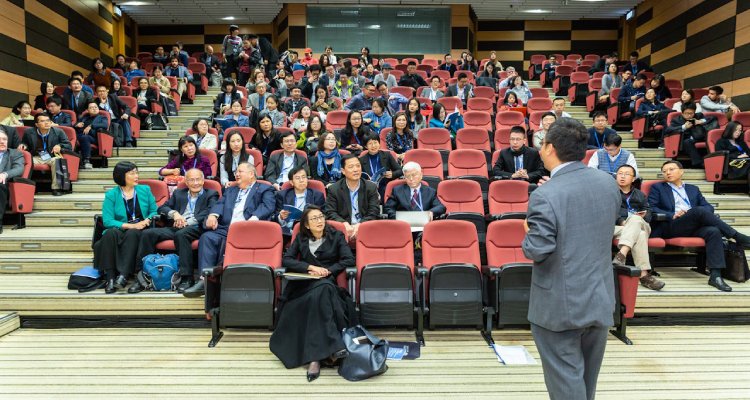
<point x="743" y="118"/>
<point x="336" y="119"/>
<point x="561" y="83"/>
<point x="469" y="164"/>
<point x="539" y="104"/>
<point x="535" y="120"/>
<point x="463" y="200"/>
<point x="437" y="139"/>
<point x="484" y="92"/>
<point x="21" y="192"/>
<point x="158" y="188"/>
<point x="199" y="70"/>
<point x="481" y="104"/>
<point x="717" y="164"/>
<point x="478" y="119"/>
<point x="247" y="133"/>
<point x="669" y="103"/>
<point x="143" y="54"/>
<point x="535" y="67"/>
<point x="392" y="61"/>
<point x="243" y="90"/>
<point x="502" y="139"/>
<point x="188" y="95"/>
<point x="167" y="246"/>
<point x="592" y="98"/>
<point x="72" y="158"/>
<point x="578" y="89"/>
<point x="397" y="73"/>
<point x="508" y="271"/>
<point x="640" y="130"/>
<point x="213" y="160"/>
<point x="598" y="75"/>
<point x="509" y="119"/>
<point x="405" y="91"/>
<point x="257" y="160"/>
<point x="427" y="69"/>
<point x="135" y="122"/>
<point x="617" y="114"/>
<point x="508" y="199"/>
<point x="573" y="57"/>
<point x="451" y="104"/>
<point x="431" y="163"/>
<point x="544" y="77"/>
<point x="422" y="73"/>
<point x="451" y="280"/>
<point x="431" y="62"/>
<point x="400" y="67"/>
<point x="699" y="93"/>
<point x="246" y="280"/>
<point x="585" y="65"/>
<point x="589" y="153"/>
<point x="593" y="57"/>
<point x="443" y="74"/>
<point x="105" y="142"/>
<point x="672" y="140"/>
<point x="721" y="118"/>
<point x="311" y="183"/>
<point x="407" y="60"/>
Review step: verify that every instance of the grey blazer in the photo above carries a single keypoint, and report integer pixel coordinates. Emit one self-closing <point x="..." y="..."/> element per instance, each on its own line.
<point x="254" y="98"/>
<point x="571" y="219"/>
<point x="12" y="164"/>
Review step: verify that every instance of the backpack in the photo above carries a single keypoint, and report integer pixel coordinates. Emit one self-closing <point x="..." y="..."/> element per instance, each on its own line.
<point x="160" y="272"/>
<point x="84" y="277"/>
<point x="156" y="122"/>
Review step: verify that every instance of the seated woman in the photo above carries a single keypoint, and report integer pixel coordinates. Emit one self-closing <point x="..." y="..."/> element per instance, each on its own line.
<point x="312" y="312"/>
<point x="117" y="89"/>
<point x="378" y="164"/>
<point x="266" y="138"/>
<point x="510" y="101"/>
<point x="658" y="83"/>
<point x="325" y="166"/>
<point x="47" y="90"/>
<point x="400" y="139"/>
<point x="489" y="71"/>
<point x="87" y="125"/>
<point x="308" y="139"/>
<point x="279" y="83"/>
<point x="353" y="134"/>
<point x="687" y="96"/>
<point x="278" y="118"/>
<point x="414" y="117"/>
<point x="612" y="80"/>
<point x="522" y="91"/>
<point x="440" y="120"/>
<point x="378" y="118"/>
<point x="256" y="77"/>
<point x="101" y="75"/>
<point x="300" y="123"/>
<point x="160" y="81"/>
<point x="145" y="95"/>
<point x="203" y="139"/>
<point x="733" y="142"/>
<point x="370" y="73"/>
<point x="225" y="98"/>
<point x="126" y="211"/>
<point x="653" y="110"/>
<point x="469" y="64"/>
<point x="20" y="112"/>
<point x="235" y="154"/>
<point x="133" y="71"/>
<point x="188" y="158"/>
<point x="323" y="102"/>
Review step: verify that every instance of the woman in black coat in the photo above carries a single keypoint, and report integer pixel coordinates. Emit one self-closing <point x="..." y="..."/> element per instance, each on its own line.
<point x="313" y="312"/>
<point x="733" y="141"/>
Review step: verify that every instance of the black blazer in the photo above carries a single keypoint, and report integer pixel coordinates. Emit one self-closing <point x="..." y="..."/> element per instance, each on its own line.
<point x="334" y="254"/>
<point x="400" y="200"/>
<point x="506" y="165"/>
<point x="41" y="102"/>
<point x="697" y="132"/>
<point x="179" y="200"/>
<point x="62" y="119"/>
<point x="661" y="200"/>
<point x="78" y="107"/>
<point x="118" y="106"/>
<point x="448" y="67"/>
<point x="287" y="197"/>
<point x="386" y="161"/>
<point x="221" y="97"/>
<point x="638" y="202"/>
<point x="274" y="166"/>
<point x="13" y="139"/>
<point x="150" y="95"/>
<point x="54" y="137"/>
<point x="260" y="203"/>
<point x="307" y="87"/>
<point x="723" y="144"/>
<point x="452" y="91"/>
<point x="338" y="205"/>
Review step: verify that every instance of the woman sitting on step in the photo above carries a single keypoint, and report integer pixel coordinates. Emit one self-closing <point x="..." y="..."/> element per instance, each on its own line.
<point x="189" y="157"/>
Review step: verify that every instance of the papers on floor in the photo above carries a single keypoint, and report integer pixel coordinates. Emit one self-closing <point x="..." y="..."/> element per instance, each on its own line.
<point x="513" y="355"/>
<point x="403" y="350"/>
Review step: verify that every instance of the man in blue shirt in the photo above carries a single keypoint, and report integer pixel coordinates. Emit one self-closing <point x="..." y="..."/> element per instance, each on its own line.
<point x="631" y="92"/>
<point x="599" y="131"/>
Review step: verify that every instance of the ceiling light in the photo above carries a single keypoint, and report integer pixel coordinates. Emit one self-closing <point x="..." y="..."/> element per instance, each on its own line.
<point x="406" y="13"/>
<point x="228" y="18"/>
<point x="536" y="11"/>
<point x="413" y="26"/>
<point x="136" y="3"/>
<point x="373" y="27"/>
<point x="340" y="25"/>
<point x="349" y="12"/>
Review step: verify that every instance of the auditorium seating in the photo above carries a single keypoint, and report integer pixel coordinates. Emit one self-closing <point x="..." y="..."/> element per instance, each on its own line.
<point x="592" y="98"/>
<point x="431" y="162"/>
<point x="508" y="199"/>
<point x="21" y="192"/>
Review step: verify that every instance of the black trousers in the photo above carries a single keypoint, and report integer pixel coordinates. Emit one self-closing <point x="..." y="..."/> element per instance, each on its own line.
<point x="688" y="146"/>
<point x="4" y="194"/>
<point x="116" y="252"/>
<point x="183" y="240"/>
<point x="699" y="221"/>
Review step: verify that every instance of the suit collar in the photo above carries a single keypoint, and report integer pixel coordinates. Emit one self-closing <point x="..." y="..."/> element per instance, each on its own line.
<point x="565" y="168"/>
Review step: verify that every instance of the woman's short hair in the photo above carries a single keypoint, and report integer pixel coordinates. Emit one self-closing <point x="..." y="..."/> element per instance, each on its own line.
<point x="122" y="168"/>
<point x="436" y="110"/>
<point x="17" y="108"/>
<point x="322" y="139"/>
<point x="729" y="131"/>
<point x="304" y="231"/>
<point x="370" y="137"/>
<point x="196" y="122"/>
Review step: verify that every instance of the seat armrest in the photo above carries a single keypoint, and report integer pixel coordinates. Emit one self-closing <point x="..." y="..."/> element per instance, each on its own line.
<point x="213" y="272"/>
<point x="627" y="270"/>
<point x="21" y="180"/>
<point x="659" y="217"/>
<point x="489" y="270"/>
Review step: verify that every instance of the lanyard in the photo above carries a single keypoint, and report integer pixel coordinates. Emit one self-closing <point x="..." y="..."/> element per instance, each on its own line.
<point x="192" y="202"/>
<point x="127" y="207"/>
<point x="373" y="167"/>
<point x="241" y="195"/>
<point x="235" y="163"/>
<point x="354" y="135"/>
<point x="519" y="162"/>
<point x="685" y="199"/>
<point x="627" y="201"/>
<point x="401" y="142"/>
<point x="596" y="136"/>
<point x="739" y="148"/>
<point x="43" y="138"/>
<point x="199" y="139"/>
<point x="355" y="204"/>
<point x="609" y="162"/>
<point x="195" y="162"/>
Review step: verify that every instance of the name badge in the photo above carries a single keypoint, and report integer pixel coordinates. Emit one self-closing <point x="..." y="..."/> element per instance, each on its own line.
<point x="44" y="155"/>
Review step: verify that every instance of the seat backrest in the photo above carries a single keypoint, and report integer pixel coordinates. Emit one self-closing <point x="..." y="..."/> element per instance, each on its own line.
<point x="70" y="133"/>
<point x="564" y="70"/>
<point x="573" y="56"/>
<point x="131" y="102"/>
<point x="384" y="241"/>
<point x="478" y="119"/>
<point x="713" y="136"/>
<point x="539" y="104"/>
<point x="405" y="91"/>
<point x="247" y="133"/>
<point x="598" y="75"/>
<point x="210" y="155"/>
<point x="429" y="159"/>
<point x="538" y="58"/>
<point x="265" y="248"/>
<point x="579" y="77"/>
<point x="207" y="184"/>
<point x="451" y="104"/>
<point x="158" y="188"/>
<point x="535" y="119"/>
<point x="646" y="185"/>
<point x="336" y="119"/>
<point x="721" y="117"/>
<point x="595" y="84"/>
<point x="484" y="92"/>
<point x="743" y="118"/>
<point x="508" y="119"/>
<point x="473" y="138"/>
<point x="589" y="153"/>
<point x="569" y="63"/>
<point x="502" y="138"/>
<point x="671" y="115"/>
<point x="508" y="196"/>
<point x="313" y="184"/>
<point x="503" y="240"/>
<point x="27" y="164"/>
<point x="461" y="195"/>
<point x="450" y="241"/>
<point x="479" y="104"/>
<point x="443" y="74"/>
<point x="467" y="162"/>
<point x="434" y="138"/>
<point x="197" y="68"/>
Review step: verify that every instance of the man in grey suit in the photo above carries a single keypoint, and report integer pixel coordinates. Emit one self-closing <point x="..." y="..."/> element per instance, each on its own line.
<point x="462" y="89"/>
<point x="11" y="166"/>
<point x="570" y="222"/>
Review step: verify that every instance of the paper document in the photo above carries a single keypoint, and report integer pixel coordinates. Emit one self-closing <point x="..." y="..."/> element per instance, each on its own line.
<point x="513" y="355"/>
<point x="296" y="276"/>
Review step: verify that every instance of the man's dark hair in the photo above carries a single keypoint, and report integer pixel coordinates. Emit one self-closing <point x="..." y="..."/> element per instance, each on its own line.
<point x="613" y="139"/>
<point x="718" y="89"/>
<point x="349" y="156"/>
<point x="368" y="84"/>
<point x="251" y="36"/>
<point x="623" y="166"/>
<point x="641" y="77"/>
<point x="380" y="84"/>
<point x="343" y="71"/>
<point x="411" y="63"/>
<point x="76" y="73"/>
<point x="446" y="55"/>
<point x="294" y="170"/>
<point x="634" y="54"/>
<point x="598" y="114"/>
<point x="675" y="162"/>
<point x="52" y="99"/>
<point x="557" y="98"/>
<point x="233" y="28"/>
<point x="461" y="75"/>
<point x="548" y="114"/>
<point x="569" y="137"/>
<point x="174" y="58"/>
<point x="371" y="136"/>
<point x="294" y="87"/>
<point x="36" y="117"/>
<point x="316" y="67"/>
<point x="517" y="129"/>
<point x="70" y="80"/>
<point x="689" y="106"/>
<point x="285" y="134"/>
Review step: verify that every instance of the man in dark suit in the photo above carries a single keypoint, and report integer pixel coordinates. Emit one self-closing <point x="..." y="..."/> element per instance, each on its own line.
<point x="45" y="144"/>
<point x="411" y="78"/>
<point x="119" y="112"/>
<point x="352" y="200"/>
<point x="631" y="92"/>
<point x="462" y="89"/>
<point x="58" y="117"/>
<point x="11" y="166"/>
<point x="14" y="141"/>
<point x="279" y="164"/>
<point x="310" y="84"/>
<point x="188" y="208"/>
<point x="211" y="61"/>
<point x="519" y="161"/>
<point x="689" y="214"/>
<point x="447" y="64"/>
<point x="299" y="196"/>
<point x="413" y="196"/>
<point x="249" y="200"/>
<point x="75" y="98"/>
<point x="693" y="128"/>
<point x="599" y="132"/>
<point x="570" y="222"/>
<point x="636" y="65"/>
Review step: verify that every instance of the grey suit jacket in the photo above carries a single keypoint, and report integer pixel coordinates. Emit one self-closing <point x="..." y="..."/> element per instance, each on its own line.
<point x="571" y="219"/>
<point x="12" y="163"/>
<point x="274" y="166"/>
<point x="254" y="98"/>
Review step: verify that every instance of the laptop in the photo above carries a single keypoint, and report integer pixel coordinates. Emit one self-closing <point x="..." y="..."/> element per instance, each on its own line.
<point x="416" y="219"/>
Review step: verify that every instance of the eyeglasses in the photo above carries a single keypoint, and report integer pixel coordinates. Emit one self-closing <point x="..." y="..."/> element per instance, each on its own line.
<point x="516" y="139"/>
<point x="624" y="174"/>
<point x="316" y="218"/>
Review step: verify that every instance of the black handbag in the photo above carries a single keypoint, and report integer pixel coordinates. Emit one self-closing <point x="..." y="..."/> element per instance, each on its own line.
<point x="736" y="268"/>
<point x="367" y="354"/>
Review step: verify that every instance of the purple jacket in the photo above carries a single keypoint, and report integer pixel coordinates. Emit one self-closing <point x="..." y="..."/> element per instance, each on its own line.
<point x="201" y="163"/>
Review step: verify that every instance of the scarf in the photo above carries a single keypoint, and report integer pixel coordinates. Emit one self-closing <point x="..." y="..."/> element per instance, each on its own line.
<point x="335" y="172"/>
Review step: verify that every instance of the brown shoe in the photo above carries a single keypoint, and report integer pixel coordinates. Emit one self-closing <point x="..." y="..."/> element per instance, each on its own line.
<point x="652" y="283"/>
<point x="619" y="259"/>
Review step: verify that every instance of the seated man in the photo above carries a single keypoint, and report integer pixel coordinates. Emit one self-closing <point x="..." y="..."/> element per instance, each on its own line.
<point x="188" y="208"/>
<point x="558" y="107"/>
<point x="75" y="98"/>
<point x="632" y="228"/>
<point x="213" y="65"/>
<point x="413" y="196"/>
<point x="344" y="88"/>
<point x="362" y="101"/>
<point x="694" y="127"/>
<point x="183" y="75"/>
<point x="328" y="79"/>
<point x="635" y="65"/>
<point x="386" y="76"/>
<point x="352" y="200"/>
<point x="519" y="161"/>
<point x="410" y="78"/>
<point x="159" y="56"/>
<point x="448" y="64"/>
<point x="279" y="164"/>
<point x="599" y="132"/>
<point x="119" y="112"/>
<point x="11" y="166"/>
<point x="610" y="158"/>
<point x="462" y="89"/>
<point x="295" y="101"/>
<point x="550" y="67"/>
<point x="308" y="85"/>
<point x="46" y="144"/>
<point x="631" y="92"/>
<point x="58" y="117"/>
<point x="247" y="201"/>
<point x="690" y="214"/>
<point x="716" y="101"/>
<point x="395" y="101"/>
<point x="299" y="196"/>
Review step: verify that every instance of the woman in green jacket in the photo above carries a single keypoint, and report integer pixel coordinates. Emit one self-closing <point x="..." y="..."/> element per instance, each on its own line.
<point x="126" y="211"/>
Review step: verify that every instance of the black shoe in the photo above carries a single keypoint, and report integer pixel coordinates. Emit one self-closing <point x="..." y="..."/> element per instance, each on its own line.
<point x="313" y="371"/>
<point x="197" y="290"/>
<point x="185" y="284"/>
<point x="94" y="286"/>
<point x="110" y="288"/>
<point x="742" y="240"/>
<point x="128" y="144"/>
<point x="719" y="283"/>
<point x="121" y="282"/>
<point x="136" y="287"/>
<point x="56" y="192"/>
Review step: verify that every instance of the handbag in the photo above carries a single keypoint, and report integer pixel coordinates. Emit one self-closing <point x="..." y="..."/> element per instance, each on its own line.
<point x="736" y="268"/>
<point x="367" y="354"/>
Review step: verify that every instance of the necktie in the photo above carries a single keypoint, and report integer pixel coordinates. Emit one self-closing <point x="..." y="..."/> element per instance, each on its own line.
<point x="261" y="102"/>
<point x="414" y="198"/>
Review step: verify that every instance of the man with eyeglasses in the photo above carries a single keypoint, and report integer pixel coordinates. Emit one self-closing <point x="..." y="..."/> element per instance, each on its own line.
<point x="689" y="214"/>
<point x="187" y="209"/>
<point x="279" y="164"/>
<point x="46" y="143"/>
<point x="249" y="200"/>
<point x="632" y="229"/>
<point x="352" y="200"/>
<point x="519" y="161"/>
<point x="298" y="196"/>
<point x="612" y="156"/>
<point x="413" y="195"/>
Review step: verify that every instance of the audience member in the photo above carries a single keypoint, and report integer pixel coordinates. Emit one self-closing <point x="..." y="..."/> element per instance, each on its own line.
<point x="558" y="107"/>
<point x="202" y="137"/>
<point x="411" y="78"/>
<point x="159" y="56"/>
<point x="249" y="59"/>
<point x="298" y="196"/>
<point x="46" y="144"/>
<point x="87" y="126"/>
<point x="279" y="164"/>
<point x="433" y="92"/>
<point x="266" y="138"/>
<point x="309" y="87"/>
<point x="47" y="90"/>
<point x="507" y="82"/>
<point x="100" y="75"/>
<point x="362" y="101"/>
<point x="510" y="101"/>
<point x="235" y="113"/>
<point x="379" y="165"/>
<point x="212" y="63"/>
<point x="144" y="95"/>
<point x="120" y="62"/>
<point x="400" y="139"/>
<point x="278" y="117"/>
<point x="11" y="166"/>
<point x="468" y="64"/>
<point x="330" y="77"/>
<point x="378" y="118"/>
<point x="612" y="80"/>
<point x="519" y="161"/>
<point x="323" y="104"/>
<point x="653" y="110"/>
<point x="187" y="158"/>
<point x="75" y="98"/>
<point x="637" y="66"/>
<point x="413" y="195"/>
<point x="462" y="89"/>
<point x="234" y="155"/>
<point x="694" y="128"/>
<point x="355" y="76"/>
<point x="631" y="92"/>
<point x="687" y="96"/>
<point x="160" y="81"/>
<point x="521" y="89"/>
<point x="364" y="56"/>
<point x="183" y="75"/>
<point x="299" y="124"/>
<point x="344" y="88"/>
<point x="599" y="132"/>
<point x="119" y="112"/>
<point x="448" y="64"/>
<point x="307" y="58"/>
<point x="733" y="142"/>
<point x="495" y="62"/>
<point x="308" y="138"/>
<point x="117" y="89"/>
<point x="353" y="134"/>
<point x="440" y="120"/>
<point x="385" y="76"/>
<point x="658" y="83"/>
<point x="58" y="117"/>
<point x="134" y="71"/>
<point x="414" y="117"/>
<point x="352" y="200"/>
<point x="231" y="46"/>
<point x="550" y="67"/>
<point x="325" y="165"/>
<point x="258" y="99"/>
<point x="255" y="77"/>
<point x="19" y="113"/>
<point x="295" y="101"/>
<point x="612" y="156"/>
<point x="716" y="101"/>
<point x="537" y="138"/>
